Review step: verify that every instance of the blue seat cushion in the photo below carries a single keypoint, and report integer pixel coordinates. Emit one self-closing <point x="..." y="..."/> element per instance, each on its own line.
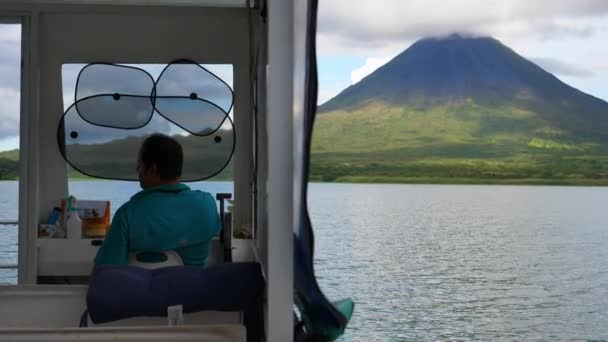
<point x="119" y="292"/>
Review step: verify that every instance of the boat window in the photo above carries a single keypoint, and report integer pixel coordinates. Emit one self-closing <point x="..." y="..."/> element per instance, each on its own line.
<point x="110" y="108"/>
<point x="10" y="91"/>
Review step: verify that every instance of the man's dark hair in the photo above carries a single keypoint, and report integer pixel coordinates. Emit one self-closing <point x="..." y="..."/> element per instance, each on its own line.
<point x="164" y="152"/>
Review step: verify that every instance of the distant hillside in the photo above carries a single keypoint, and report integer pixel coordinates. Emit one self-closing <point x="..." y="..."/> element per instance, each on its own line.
<point x="116" y="158"/>
<point x="9" y="160"/>
<point x="9" y="165"/>
<point x="462" y="109"/>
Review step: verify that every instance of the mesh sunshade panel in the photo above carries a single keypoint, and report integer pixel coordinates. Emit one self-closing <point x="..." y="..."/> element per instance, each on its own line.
<point x="115" y="95"/>
<point x="195" y="116"/>
<point x="184" y="89"/>
<point x="100" y="134"/>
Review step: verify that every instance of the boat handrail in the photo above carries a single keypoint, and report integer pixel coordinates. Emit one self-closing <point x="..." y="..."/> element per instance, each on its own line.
<point x="8" y="266"/>
<point x="9" y="223"/>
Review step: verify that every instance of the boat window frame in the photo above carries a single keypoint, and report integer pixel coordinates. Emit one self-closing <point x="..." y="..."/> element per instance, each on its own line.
<point x="36" y="199"/>
<point x="14" y="19"/>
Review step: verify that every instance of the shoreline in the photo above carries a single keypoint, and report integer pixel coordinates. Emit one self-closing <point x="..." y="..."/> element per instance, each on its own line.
<point x="422" y="181"/>
<point x="464" y="181"/>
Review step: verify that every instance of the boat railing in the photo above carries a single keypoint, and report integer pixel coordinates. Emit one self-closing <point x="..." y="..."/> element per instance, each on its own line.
<point x="8" y="223"/>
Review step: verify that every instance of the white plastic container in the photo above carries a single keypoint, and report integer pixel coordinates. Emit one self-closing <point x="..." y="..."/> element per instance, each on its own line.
<point x="74" y="223"/>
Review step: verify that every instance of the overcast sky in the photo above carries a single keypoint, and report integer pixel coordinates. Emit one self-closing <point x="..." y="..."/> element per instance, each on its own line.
<point x="566" y="37"/>
<point x="10" y="52"/>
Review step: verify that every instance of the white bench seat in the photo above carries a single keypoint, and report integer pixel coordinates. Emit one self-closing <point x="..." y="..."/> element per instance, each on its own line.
<point x="26" y="309"/>
<point x="208" y="333"/>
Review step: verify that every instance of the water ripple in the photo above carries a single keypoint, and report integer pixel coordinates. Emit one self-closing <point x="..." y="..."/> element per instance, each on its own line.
<point x="465" y="262"/>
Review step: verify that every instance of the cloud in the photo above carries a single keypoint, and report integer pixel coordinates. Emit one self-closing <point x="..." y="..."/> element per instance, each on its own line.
<point x="9" y="112"/>
<point x="10" y="55"/>
<point x="556" y="66"/>
<point x="371" y="64"/>
<point x="372" y="29"/>
<point x="552" y="65"/>
<point x="10" y="33"/>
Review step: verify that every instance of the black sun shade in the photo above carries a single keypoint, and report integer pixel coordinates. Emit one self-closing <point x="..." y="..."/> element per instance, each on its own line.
<point x="116" y="107"/>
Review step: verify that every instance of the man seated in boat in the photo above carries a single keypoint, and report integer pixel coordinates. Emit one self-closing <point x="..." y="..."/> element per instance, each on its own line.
<point x="166" y="215"/>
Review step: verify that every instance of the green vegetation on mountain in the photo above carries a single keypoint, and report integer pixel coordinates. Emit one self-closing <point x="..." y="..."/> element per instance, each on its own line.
<point x="461" y="110"/>
<point x="450" y="144"/>
<point x="9" y="165"/>
<point x="117" y="159"/>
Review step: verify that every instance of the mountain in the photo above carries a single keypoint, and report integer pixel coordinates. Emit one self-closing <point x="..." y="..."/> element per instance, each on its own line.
<point x="461" y="107"/>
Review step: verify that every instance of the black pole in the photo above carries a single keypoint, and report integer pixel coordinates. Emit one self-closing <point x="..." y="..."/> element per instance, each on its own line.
<point x="226" y="233"/>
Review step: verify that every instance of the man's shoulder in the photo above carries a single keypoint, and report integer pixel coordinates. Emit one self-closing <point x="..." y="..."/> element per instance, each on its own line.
<point x="156" y="198"/>
<point x="123" y="208"/>
<point x="199" y="195"/>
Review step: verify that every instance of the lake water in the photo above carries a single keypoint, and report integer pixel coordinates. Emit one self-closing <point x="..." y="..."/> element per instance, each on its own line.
<point x="426" y="262"/>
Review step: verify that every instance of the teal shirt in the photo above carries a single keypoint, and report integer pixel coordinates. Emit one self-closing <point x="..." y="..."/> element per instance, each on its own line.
<point x="166" y="217"/>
